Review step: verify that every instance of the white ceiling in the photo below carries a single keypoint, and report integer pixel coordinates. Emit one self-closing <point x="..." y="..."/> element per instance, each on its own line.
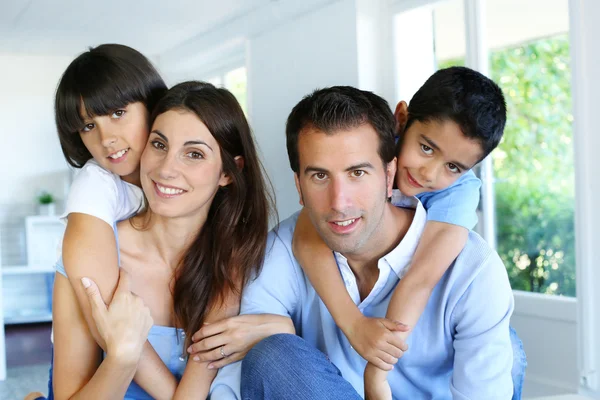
<point x="68" y="27"/>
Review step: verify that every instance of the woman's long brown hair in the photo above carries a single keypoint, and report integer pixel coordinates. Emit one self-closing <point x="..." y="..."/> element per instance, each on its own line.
<point x="231" y="246"/>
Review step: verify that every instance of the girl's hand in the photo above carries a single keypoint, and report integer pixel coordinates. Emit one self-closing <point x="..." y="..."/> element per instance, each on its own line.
<point x="124" y="324"/>
<point x="229" y="340"/>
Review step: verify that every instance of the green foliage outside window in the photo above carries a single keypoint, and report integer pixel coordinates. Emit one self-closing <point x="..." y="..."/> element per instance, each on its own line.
<point x="533" y="166"/>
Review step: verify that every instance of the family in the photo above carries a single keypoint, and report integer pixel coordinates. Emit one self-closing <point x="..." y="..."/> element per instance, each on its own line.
<point x="171" y="285"/>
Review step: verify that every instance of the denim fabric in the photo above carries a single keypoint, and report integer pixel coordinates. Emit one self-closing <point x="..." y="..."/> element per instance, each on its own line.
<point x="285" y="366"/>
<point x="519" y="365"/>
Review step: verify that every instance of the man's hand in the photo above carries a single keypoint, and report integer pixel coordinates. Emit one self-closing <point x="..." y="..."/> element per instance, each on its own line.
<point x="376" y="384"/>
<point x="375" y="340"/>
<point x="124" y="324"/>
<point x="230" y="339"/>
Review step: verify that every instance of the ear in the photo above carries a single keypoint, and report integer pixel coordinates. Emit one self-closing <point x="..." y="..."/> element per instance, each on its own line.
<point x="390" y="176"/>
<point x="226" y="179"/>
<point x="401" y="115"/>
<point x="299" y="189"/>
<point x="239" y="162"/>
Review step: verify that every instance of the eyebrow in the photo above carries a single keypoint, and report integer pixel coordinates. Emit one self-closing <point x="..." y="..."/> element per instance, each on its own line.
<point x="188" y="143"/>
<point x="364" y="165"/>
<point x="434" y="146"/>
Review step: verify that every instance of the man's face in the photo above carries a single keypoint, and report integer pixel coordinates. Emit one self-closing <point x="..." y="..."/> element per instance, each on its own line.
<point x="344" y="186"/>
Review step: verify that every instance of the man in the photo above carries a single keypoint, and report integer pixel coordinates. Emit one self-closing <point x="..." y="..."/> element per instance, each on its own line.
<point x="341" y="147"/>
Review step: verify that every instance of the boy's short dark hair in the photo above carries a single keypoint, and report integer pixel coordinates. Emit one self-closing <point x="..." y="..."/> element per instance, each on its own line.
<point x="466" y="97"/>
<point x="340" y="108"/>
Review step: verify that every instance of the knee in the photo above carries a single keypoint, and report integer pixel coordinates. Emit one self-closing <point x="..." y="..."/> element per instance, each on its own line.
<point x="272" y="351"/>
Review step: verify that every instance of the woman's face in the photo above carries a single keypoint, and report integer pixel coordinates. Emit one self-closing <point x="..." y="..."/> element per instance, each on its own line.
<point x="181" y="167"/>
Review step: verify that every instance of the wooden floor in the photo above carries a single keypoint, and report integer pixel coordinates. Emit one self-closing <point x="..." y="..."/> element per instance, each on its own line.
<point x="28" y="351"/>
<point x="28" y="344"/>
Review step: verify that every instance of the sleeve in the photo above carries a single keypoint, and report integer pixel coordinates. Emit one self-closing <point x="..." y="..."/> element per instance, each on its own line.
<point x="483" y="354"/>
<point x="274" y="291"/>
<point x="93" y="192"/>
<point x="457" y="204"/>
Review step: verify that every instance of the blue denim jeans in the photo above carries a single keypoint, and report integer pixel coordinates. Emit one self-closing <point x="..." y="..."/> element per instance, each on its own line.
<point x="285" y="366"/>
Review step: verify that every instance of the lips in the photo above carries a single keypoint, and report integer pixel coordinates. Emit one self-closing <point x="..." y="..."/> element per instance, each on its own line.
<point x="167" y="192"/>
<point x="344" y="226"/>
<point x="118" y="156"/>
<point x="412" y="181"/>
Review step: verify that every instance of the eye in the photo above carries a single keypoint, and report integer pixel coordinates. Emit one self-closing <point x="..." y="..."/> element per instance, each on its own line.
<point x="426" y="149"/>
<point x="118" y="114"/>
<point x="158" y="145"/>
<point x="453" y="168"/>
<point x="358" y="173"/>
<point x="196" y="155"/>
<point x="87" y="127"/>
<point x="320" y="176"/>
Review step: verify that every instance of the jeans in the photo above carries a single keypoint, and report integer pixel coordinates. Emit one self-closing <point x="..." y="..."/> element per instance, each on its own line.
<point x="285" y="366"/>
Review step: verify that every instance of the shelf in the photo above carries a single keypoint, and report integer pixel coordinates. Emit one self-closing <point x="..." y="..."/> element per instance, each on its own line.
<point x="26" y="269"/>
<point x="28" y="317"/>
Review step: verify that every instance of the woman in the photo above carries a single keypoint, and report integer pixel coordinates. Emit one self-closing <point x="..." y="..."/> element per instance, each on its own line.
<point x="186" y="258"/>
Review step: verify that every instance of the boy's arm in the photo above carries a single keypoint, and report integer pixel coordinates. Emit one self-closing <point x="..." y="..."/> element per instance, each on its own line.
<point x="90" y="250"/>
<point x="439" y="246"/>
<point x="370" y="337"/>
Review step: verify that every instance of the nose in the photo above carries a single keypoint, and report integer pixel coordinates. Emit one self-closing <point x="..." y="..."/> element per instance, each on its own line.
<point x="428" y="172"/>
<point x="108" y="138"/>
<point x="339" y="196"/>
<point x="168" y="167"/>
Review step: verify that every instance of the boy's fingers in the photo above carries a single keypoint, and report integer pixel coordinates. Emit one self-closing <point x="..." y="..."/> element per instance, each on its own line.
<point x="395" y="326"/>
<point x="93" y="293"/>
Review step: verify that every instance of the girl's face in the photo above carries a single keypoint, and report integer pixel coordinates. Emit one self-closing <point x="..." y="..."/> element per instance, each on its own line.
<point x="181" y="168"/>
<point x="116" y="141"/>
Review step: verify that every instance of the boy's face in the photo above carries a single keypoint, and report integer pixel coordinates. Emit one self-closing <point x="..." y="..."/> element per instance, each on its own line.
<point x="433" y="155"/>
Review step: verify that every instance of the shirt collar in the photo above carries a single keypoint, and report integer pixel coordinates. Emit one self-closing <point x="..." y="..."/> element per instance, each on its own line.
<point x="399" y="258"/>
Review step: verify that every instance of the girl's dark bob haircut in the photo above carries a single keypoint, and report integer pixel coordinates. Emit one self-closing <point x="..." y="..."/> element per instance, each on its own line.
<point x="97" y="83"/>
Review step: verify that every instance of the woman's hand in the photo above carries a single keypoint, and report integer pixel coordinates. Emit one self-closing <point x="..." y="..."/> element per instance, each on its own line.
<point x="124" y="324"/>
<point x="226" y="341"/>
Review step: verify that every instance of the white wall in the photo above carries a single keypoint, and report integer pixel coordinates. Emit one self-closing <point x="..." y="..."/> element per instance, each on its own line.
<point x="32" y="158"/>
<point x="288" y="62"/>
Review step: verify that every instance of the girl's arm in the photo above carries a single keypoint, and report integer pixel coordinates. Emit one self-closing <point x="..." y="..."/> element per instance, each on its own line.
<point x="197" y="377"/>
<point x="372" y="338"/>
<point x="79" y="372"/>
<point x="90" y="250"/>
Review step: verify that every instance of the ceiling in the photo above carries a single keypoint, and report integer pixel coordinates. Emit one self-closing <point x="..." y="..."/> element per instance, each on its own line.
<point x="68" y="27"/>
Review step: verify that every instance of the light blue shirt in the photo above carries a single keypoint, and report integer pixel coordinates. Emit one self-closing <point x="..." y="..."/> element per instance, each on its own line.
<point x="457" y="204"/>
<point x="459" y="349"/>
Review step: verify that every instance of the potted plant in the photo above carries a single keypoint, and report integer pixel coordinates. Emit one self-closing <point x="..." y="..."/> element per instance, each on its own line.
<point x="45" y="203"/>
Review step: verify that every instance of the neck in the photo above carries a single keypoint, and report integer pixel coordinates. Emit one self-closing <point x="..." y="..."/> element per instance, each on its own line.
<point x="169" y="238"/>
<point x="133" y="178"/>
<point x="394" y="224"/>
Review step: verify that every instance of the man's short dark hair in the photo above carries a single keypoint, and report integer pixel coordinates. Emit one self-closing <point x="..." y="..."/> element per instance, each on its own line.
<point x="340" y="108"/>
<point x="468" y="98"/>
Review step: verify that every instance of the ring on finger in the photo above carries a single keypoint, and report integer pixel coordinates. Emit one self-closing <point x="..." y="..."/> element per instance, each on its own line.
<point x="222" y="351"/>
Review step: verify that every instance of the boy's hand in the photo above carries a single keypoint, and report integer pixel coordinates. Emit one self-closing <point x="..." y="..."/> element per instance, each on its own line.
<point x="375" y="340"/>
<point x="376" y="384"/>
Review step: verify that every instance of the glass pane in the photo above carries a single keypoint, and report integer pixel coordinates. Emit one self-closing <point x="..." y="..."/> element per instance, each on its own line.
<point x="215" y="80"/>
<point x="449" y="32"/>
<point x="533" y="166"/>
<point x="235" y="82"/>
<point x="427" y="38"/>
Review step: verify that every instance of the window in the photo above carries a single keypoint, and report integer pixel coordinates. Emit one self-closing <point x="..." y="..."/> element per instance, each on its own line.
<point x="234" y="80"/>
<point x="531" y="173"/>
